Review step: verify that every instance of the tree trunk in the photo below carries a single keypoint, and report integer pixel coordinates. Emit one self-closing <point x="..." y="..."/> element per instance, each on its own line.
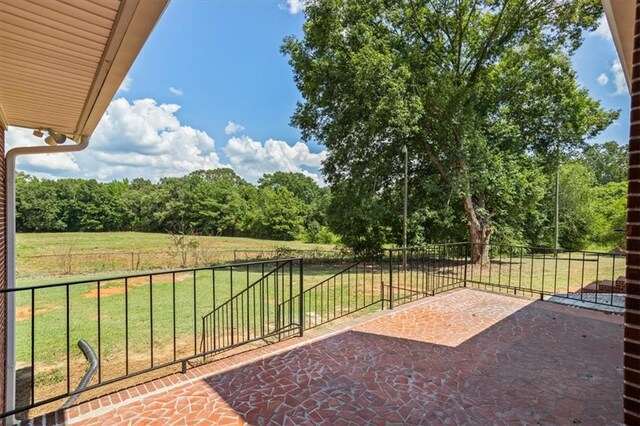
<point x="479" y="231"/>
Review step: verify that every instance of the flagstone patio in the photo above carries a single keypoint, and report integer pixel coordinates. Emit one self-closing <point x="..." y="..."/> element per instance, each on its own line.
<point x="463" y="357"/>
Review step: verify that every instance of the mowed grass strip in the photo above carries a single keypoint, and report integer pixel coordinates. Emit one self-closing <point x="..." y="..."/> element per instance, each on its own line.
<point x="32" y="244"/>
<point x="43" y="255"/>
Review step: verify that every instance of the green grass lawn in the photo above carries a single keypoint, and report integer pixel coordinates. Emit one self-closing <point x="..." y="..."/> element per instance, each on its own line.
<point x="64" y="257"/>
<point x="44" y="255"/>
<point x="87" y="242"/>
<point x="50" y="307"/>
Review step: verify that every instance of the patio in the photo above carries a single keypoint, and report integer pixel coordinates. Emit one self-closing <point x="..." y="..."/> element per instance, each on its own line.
<point x="464" y="356"/>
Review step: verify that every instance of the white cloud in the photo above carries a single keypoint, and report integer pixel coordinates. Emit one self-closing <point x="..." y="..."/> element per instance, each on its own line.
<point x="317" y="177"/>
<point x="137" y="139"/>
<point x="232" y="128"/>
<point x="603" y="31"/>
<point x="251" y="159"/>
<point x="294" y="6"/>
<point x="125" y="85"/>
<point x="603" y="79"/>
<point x="145" y="139"/>
<point x="177" y="92"/>
<point x="618" y="78"/>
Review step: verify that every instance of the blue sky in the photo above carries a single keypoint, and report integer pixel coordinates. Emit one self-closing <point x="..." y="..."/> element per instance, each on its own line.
<point x="211" y="89"/>
<point x="225" y="57"/>
<point x="600" y="72"/>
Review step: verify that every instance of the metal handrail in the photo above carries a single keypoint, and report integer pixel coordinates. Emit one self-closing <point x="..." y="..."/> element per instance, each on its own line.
<point x="333" y="276"/>
<point x="242" y="292"/>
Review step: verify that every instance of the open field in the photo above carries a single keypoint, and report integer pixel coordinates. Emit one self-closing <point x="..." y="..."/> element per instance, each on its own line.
<point x="65" y="257"/>
<point x="87" y="242"/>
<point x="46" y="255"/>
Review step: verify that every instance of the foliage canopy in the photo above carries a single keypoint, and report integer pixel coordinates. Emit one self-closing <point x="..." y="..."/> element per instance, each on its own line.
<point x="482" y="92"/>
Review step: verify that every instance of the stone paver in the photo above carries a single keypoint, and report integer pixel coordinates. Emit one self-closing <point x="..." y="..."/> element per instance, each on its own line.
<point x="468" y="357"/>
<point x="613" y="303"/>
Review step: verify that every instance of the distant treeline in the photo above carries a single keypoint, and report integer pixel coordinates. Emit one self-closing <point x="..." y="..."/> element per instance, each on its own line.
<point x="282" y="206"/>
<point x="287" y="206"/>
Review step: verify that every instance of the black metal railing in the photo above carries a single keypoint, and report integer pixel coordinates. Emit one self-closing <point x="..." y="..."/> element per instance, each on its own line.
<point x="398" y="276"/>
<point x="417" y="272"/>
<point x="144" y="322"/>
<point x="358" y="287"/>
<point x="140" y="323"/>
<point x="267" y="307"/>
<point x="558" y="275"/>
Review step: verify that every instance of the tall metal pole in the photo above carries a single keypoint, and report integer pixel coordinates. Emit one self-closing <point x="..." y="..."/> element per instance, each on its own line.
<point x="557" y="215"/>
<point x="406" y="203"/>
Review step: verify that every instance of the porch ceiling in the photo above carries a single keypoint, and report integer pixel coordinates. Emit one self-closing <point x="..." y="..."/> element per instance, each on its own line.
<point x="62" y="61"/>
<point x="621" y="19"/>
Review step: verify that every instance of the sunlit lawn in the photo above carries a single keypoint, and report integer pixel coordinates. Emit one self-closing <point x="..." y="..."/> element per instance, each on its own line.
<point x="44" y="255"/>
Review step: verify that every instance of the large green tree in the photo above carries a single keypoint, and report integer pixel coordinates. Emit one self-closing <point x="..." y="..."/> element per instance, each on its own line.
<point x="610" y="205"/>
<point x="608" y="161"/>
<point x="37" y="206"/>
<point x="478" y="90"/>
<point x="275" y="213"/>
<point x="315" y="200"/>
<point x="303" y="187"/>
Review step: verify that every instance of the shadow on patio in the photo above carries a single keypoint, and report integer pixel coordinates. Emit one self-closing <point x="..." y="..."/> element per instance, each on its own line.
<point x="465" y="357"/>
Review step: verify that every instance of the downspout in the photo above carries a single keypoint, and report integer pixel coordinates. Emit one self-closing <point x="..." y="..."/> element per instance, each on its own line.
<point x="10" y="182"/>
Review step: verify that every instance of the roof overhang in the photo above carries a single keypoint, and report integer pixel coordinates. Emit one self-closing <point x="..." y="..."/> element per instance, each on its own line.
<point x="621" y="17"/>
<point x="62" y="61"/>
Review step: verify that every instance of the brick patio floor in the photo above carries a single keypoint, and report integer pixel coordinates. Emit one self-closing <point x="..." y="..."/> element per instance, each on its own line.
<point x="465" y="357"/>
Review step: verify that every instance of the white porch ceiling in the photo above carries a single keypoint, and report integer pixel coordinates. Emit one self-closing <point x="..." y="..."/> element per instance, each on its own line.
<point x="62" y="61"/>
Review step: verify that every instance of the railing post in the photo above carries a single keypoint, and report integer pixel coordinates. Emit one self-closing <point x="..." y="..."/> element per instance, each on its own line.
<point x="390" y="279"/>
<point x="301" y="298"/>
<point x="231" y="303"/>
<point x="203" y="345"/>
<point x="380" y="264"/>
<point x="278" y="309"/>
<point x="277" y="299"/>
<point x="466" y="261"/>
<point x="290" y="322"/>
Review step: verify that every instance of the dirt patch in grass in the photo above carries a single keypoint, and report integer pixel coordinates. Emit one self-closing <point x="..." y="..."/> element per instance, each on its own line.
<point x="24" y="312"/>
<point x="104" y="292"/>
<point x="114" y="289"/>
